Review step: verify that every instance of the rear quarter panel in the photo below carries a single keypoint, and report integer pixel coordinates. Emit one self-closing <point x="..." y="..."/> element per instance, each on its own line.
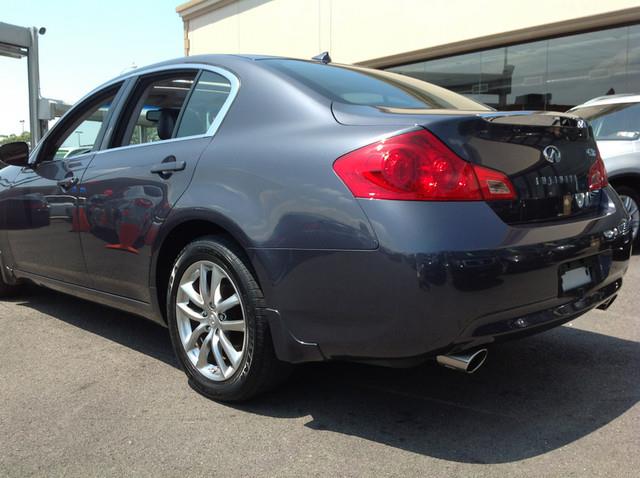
<point x="268" y="175"/>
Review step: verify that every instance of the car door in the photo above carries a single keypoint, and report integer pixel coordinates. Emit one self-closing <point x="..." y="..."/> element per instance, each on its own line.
<point x="133" y="182"/>
<point x="43" y="220"/>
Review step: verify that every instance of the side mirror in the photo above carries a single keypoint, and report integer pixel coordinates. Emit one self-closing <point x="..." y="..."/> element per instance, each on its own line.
<point x="15" y="154"/>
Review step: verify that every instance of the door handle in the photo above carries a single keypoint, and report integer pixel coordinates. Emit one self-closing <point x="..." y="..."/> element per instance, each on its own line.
<point x="68" y="183"/>
<point x="167" y="166"/>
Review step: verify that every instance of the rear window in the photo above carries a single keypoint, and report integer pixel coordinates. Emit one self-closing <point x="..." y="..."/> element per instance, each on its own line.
<point x="364" y="86"/>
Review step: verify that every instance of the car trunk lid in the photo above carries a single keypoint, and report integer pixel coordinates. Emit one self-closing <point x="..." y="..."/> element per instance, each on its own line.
<point x="546" y="155"/>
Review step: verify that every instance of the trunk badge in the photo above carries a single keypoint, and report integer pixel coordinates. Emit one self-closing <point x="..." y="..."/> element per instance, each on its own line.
<point x="552" y="154"/>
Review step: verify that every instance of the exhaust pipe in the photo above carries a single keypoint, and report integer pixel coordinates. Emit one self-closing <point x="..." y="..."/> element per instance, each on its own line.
<point x="469" y="362"/>
<point x="607" y="304"/>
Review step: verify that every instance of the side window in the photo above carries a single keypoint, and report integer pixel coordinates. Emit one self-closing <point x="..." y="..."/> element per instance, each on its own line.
<point x="79" y="133"/>
<point x="204" y="104"/>
<point x="155" y="108"/>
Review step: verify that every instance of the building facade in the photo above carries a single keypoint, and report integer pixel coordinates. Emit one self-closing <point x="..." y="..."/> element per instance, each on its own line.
<point x="510" y="54"/>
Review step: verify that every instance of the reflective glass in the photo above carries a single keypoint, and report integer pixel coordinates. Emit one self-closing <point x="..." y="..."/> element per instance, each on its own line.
<point x="554" y="74"/>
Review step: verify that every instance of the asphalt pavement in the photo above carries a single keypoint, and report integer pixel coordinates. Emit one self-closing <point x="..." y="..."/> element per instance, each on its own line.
<point x="89" y="391"/>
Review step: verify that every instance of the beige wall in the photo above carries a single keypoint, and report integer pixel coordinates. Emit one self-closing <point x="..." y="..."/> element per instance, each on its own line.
<point x="382" y="32"/>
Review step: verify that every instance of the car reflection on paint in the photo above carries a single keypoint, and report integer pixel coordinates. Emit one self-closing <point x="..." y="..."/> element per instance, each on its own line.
<point x="123" y="218"/>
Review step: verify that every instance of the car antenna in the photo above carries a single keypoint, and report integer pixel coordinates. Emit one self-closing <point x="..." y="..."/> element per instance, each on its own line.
<point x="323" y="57"/>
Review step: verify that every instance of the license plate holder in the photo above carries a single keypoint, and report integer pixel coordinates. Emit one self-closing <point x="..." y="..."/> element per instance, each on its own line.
<point x="575" y="278"/>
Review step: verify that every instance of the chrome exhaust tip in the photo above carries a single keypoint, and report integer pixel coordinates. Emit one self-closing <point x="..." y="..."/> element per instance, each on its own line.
<point x="465" y="362"/>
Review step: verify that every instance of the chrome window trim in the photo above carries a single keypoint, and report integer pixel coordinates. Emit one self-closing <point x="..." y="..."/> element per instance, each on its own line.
<point x="163" y="141"/>
<point x="134" y="74"/>
<point x="234" y="87"/>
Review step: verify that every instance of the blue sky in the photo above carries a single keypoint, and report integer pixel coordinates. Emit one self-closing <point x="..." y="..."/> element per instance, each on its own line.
<point x="87" y="42"/>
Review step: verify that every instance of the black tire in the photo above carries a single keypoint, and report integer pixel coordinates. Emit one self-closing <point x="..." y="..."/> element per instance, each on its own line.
<point x="9" y="290"/>
<point x="260" y="370"/>
<point x="633" y="194"/>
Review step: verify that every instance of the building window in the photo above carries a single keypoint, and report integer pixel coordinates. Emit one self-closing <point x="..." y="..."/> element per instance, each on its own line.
<point x="554" y="74"/>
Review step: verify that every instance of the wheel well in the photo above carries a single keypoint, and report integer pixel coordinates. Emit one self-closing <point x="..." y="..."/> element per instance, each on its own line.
<point x="629" y="180"/>
<point x="176" y="240"/>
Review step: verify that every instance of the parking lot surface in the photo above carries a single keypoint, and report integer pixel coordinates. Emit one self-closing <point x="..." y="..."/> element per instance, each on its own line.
<point x="86" y="390"/>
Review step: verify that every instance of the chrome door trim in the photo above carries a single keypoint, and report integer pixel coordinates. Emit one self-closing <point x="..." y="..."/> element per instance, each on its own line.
<point x="134" y="74"/>
<point x="234" y="87"/>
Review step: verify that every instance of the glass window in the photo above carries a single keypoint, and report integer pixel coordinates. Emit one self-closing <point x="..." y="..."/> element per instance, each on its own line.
<point x="527" y="67"/>
<point x="618" y="121"/>
<point x="554" y="74"/>
<point x="371" y="87"/>
<point x="581" y="67"/>
<point x="204" y="104"/>
<point x="460" y="73"/>
<point x="79" y="133"/>
<point x="633" y="60"/>
<point x="156" y="112"/>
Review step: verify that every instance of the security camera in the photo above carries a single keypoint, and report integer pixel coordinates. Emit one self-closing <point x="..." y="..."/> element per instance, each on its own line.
<point x="42" y="30"/>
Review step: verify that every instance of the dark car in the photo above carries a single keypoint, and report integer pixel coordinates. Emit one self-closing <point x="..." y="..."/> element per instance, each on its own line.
<point x="273" y="211"/>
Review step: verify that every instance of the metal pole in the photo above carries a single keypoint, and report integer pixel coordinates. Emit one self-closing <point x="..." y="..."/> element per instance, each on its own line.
<point x="34" y="87"/>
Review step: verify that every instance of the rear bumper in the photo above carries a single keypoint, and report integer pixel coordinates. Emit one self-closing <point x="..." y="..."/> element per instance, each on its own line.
<point x="445" y="277"/>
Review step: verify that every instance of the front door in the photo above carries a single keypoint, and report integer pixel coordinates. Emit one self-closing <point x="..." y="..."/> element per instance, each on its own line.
<point x="42" y="218"/>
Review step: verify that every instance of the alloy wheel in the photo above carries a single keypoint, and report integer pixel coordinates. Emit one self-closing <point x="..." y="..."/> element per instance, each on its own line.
<point x="211" y="320"/>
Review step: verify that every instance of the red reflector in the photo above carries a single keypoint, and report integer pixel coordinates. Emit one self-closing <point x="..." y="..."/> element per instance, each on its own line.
<point x="417" y="166"/>
<point x="598" y="174"/>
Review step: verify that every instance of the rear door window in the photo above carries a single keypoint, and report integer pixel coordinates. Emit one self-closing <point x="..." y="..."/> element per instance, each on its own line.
<point x="204" y="105"/>
<point x="154" y="109"/>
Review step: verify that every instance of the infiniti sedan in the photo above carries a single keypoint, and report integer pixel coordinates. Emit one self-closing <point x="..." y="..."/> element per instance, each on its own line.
<point x="272" y="211"/>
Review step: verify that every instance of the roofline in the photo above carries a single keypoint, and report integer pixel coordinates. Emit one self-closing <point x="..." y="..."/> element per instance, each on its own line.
<point x="195" y="8"/>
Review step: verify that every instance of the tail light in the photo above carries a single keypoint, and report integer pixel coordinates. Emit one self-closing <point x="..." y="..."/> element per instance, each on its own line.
<point x="598" y="174"/>
<point x="417" y="166"/>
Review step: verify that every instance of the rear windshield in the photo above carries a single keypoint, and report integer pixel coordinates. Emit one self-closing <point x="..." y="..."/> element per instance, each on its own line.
<point x="364" y="86"/>
<point x="618" y="121"/>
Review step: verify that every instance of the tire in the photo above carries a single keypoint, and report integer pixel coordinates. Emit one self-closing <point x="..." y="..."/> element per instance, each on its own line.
<point x="226" y="348"/>
<point x="631" y="201"/>
<point x="9" y="290"/>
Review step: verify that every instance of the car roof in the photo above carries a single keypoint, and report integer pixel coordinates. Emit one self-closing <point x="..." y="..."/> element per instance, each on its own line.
<point x="612" y="99"/>
<point x="211" y="59"/>
<point x="226" y="61"/>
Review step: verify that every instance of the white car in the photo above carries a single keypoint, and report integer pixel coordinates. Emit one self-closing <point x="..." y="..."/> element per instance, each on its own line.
<point x="615" y="120"/>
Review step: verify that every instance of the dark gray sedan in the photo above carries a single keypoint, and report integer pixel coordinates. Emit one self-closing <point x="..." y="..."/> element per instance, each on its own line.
<point x="273" y="211"/>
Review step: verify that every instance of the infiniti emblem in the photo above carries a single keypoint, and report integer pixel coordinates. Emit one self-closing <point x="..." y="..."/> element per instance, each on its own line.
<point x="552" y="154"/>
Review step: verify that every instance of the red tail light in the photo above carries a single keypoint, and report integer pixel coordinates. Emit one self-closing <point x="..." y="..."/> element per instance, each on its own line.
<point x="417" y="166"/>
<point x="598" y="174"/>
